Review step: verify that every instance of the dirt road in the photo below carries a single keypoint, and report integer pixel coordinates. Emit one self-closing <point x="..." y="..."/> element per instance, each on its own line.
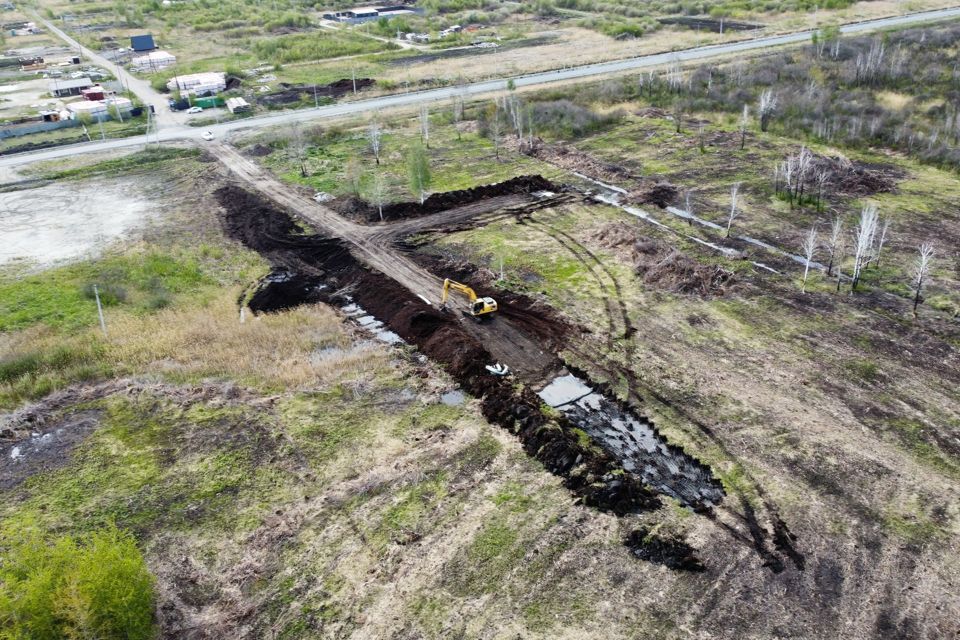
<point x="374" y="247"/>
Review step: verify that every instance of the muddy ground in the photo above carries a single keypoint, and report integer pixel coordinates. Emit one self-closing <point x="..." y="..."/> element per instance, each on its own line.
<point x="360" y="210"/>
<point x="290" y="93"/>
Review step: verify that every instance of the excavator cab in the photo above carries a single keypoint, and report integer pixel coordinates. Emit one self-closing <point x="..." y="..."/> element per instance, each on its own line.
<point x="480" y="308"/>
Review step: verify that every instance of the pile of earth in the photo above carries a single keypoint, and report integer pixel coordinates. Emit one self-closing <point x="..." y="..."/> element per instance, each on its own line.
<point x="854" y="178"/>
<point x="292" y="93"/>
<point x="362" y="211"/>
<point x="572" y="159"/>
<point x="661" y="266"/>
<point x="710" y="24"/>
<point x="311" y="268"/>
<point x="662" y="194"/>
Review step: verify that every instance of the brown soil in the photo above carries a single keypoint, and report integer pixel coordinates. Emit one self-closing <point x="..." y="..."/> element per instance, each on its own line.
<point x="853" y="178"/>
<point x="572" y="159"/>
<point x="662" y="266"/>
<point x="291" y="93"/>
<point x="334" y="274"/>
<point x="362" y="211"/>
<point x="662" y="194"/>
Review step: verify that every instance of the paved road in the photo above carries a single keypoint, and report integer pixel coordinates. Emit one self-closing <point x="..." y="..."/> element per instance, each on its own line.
<point x="177" y="131"/>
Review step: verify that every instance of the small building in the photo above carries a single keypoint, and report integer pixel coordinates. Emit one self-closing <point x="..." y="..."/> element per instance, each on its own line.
<point x="153" y="61"/>
<point x="101" y="109"/>
<point x="237" y="105"/>
<point x="142" y="43"/>
<point x="96" y="92"/>
<point x="422" y="38"/>
<point x="451" y="30"/>
<point x="67" y="88"/>
<point x="199" y="84"/>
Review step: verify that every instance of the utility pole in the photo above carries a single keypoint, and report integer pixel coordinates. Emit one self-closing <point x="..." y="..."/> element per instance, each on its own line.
<point x="353" y="72"/>
<point x="316" y="101"/>
<point x="100" y="122"/>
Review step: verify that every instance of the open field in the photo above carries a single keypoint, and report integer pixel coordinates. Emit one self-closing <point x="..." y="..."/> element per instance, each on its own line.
<point x="695" y="438"/>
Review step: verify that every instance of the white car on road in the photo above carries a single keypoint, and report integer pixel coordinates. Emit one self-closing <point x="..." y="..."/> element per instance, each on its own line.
<point x="207" y="135"/>
<point x="195" y="110"/>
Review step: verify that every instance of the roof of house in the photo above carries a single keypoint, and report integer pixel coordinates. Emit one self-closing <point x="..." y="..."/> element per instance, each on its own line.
<point x="142" y="42"/>
<point x="79" y="83"/>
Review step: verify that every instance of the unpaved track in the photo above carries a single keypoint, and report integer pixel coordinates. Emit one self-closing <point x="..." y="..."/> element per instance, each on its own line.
<point x="373" y="246"/>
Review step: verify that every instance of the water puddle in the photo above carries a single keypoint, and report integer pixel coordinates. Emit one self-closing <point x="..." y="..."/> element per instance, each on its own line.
<point x="634" y="442"/>
<point x="366" y="321"/>
<point x="453" y="398"/>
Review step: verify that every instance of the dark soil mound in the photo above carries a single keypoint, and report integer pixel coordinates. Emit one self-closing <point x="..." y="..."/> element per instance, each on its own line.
<point x="363" y="211"/>
<point x="291" y="93"/>
<point x="661" y="194"/>
<point x="674" y="554"/>
<point x="258" y="151"/>
<point x="856" y="179"/>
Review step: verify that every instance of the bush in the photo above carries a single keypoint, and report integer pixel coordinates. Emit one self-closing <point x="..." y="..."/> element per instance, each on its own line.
<point x="96" y="586"/>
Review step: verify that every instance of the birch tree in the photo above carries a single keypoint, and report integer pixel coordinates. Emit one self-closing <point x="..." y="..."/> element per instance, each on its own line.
<point x="298" y="147"/>
<point x="766" y="106"/>
<point x="689" y="207"/>
<point x="734" y="192"/>
<point x="495" y="127"/>
<point x="921" y="269"/>
<point x="425" y="125"/>
<point x="378" y="192"/>
<point x="418" y="172"/>
<point x="881" y="240"/>
<point x="457" y="114"/>
<point x="375" y="137"/>
<point x="809" y="249"/>
<point x="863" y="241"/>
<point x="835" y="241"/>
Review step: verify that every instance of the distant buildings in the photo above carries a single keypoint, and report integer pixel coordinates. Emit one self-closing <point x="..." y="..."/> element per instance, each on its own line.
<point x="67" y="88"/>
<point x="153" y="61"/>
<point x="100" y="109"/>
<point x="366" y="14"/>
<point x="199" y="84"/>
<point x="451" y="30"/>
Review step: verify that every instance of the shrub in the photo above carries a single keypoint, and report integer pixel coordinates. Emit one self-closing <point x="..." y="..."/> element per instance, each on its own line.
<point x="95" y="586"/>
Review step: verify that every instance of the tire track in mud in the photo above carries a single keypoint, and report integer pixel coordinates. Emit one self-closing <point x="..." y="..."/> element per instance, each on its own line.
<point x="591" y="473"/>
<point x="756" y="536"/>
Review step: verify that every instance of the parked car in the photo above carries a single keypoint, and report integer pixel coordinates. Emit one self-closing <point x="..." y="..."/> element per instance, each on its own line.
<point x="195" y="110"/>
<point x="207" y="135"/>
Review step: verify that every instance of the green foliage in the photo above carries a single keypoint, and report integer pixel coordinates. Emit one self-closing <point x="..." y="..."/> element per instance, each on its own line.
<point x="94" y="586"/>
<point x="134" y="161"/>
<point x="418" y="171"/>
<point x="317" y="46"/>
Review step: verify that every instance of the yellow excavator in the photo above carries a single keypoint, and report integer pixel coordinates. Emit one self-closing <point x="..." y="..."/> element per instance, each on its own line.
<point x="480" y="308"/>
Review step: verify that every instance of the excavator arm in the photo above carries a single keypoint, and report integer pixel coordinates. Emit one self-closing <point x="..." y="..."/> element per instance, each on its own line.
<point x="478" y="306"/>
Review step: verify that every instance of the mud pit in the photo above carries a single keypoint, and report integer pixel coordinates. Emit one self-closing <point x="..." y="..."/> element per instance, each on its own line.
<point x="362" y="211"/>
<point x="607" y="473"/>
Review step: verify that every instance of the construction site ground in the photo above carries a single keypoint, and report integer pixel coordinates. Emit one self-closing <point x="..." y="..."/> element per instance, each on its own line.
<point x="815" y="466"/>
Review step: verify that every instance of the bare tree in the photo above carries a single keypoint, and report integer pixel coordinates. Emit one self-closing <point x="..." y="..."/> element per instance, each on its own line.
<point x="744" y="123"/>
<point x="809" y="249"/>
<point x="353" y="176"/>
<point x="689" y="207"/>
<point x="822" y="176"/>
<point x="425" y="124"/>
<point x="734" y="192"/>
<point x="298" y="147"/>
<point x="679" y="106"/>
<point x="375" y="137"/>
<point x="835" y="241"/>
<point x="881" y="240"/>
<point x="457" y="113"/>
<point x="803" y="166"/>
<point x="378" y="192"/>
<point x="766" y="106"/>
<point x="921" y="269"/>
<point x="515" y="113"/>
<point x="495" y="127"/>
<point x="863" y="241"/>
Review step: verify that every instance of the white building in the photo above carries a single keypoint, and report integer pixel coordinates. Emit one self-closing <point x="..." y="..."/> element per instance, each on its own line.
<point x="153" y="61"/>
<point x="100" y="108"/>
<point x="199" y="83"/>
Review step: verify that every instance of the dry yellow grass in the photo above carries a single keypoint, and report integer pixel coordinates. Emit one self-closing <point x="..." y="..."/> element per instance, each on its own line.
<point x="295" y="348"/>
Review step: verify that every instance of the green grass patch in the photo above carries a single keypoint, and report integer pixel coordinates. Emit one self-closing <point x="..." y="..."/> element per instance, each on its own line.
<point x="134" y="161"/>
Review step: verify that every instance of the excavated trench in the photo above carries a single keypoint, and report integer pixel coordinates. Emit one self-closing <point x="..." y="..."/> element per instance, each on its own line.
<point x="623" y="466"/>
